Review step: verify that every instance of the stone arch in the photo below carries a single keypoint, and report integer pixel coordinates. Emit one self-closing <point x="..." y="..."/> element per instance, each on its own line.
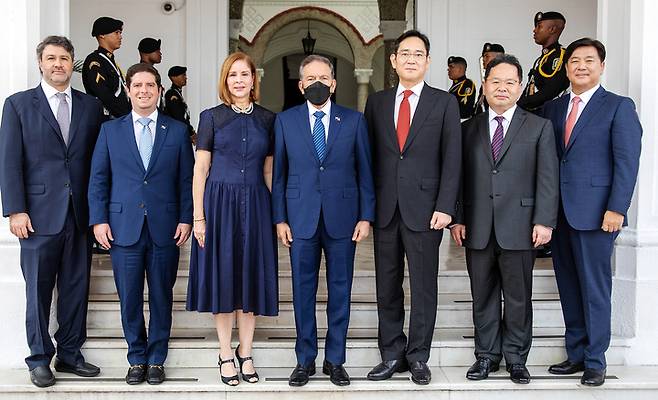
<point x="363" y="51"/>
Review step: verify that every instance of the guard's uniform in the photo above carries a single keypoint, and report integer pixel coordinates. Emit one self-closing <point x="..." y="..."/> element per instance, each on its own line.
<point x="102" y="78"/>
<point x="464" y="90"/>
<point x="548" y="77"/>
<point x="176" y="107"/>
<point x="481" y="104"/>
<point x="145" y="47"/>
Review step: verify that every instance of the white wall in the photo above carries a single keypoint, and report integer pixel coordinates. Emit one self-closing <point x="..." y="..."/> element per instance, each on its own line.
<point x="140" y="19"/>
<point x="195" y="35"/>
<point x="461" y="27"/>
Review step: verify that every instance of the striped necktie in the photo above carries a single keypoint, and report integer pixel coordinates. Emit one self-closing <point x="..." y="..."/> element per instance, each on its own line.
<point x="497" y="140"/>
<point x="318" y="135"/>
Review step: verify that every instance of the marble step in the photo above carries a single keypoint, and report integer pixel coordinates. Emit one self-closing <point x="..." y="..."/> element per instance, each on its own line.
<point x="276" y="348"/>
<point x="454" y="310"/>
<point x="628" y="383"/>
<point x="450" y="281"/>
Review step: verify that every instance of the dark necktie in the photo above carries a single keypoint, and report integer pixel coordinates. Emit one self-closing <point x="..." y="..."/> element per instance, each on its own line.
<point x="497" y="140"/>
<point x="404" y="119"/>
<point x="318" y="135"/>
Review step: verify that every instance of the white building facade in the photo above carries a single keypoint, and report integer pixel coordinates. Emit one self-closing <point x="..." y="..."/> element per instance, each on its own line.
<point x="197" y="35"/>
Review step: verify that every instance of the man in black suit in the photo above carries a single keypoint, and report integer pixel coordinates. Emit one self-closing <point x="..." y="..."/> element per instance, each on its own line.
<point x="46" y="140"/>
<point x="416" y="139"/>
<point x="508" y="208"/>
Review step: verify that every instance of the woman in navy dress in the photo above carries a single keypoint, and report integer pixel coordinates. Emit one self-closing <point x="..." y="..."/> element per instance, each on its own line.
<point x="233" y="266"/>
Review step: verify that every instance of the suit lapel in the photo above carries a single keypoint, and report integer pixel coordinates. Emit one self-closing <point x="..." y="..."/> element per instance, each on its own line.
<point x="129" y="129"/>
<point x="563" y="105"/>
<point x="44" y="108"/>
<point x="389" y="109"/>
<point x="422" y="111"/>
<point x="305" y="130"/>
<point x="77" y="112"/>
<point x="161" y="127"/>
<point x="482" y="127"/>
<point x="334" y="127"/>
<point x="514" y="127"/>
<point x="592" y="107"/>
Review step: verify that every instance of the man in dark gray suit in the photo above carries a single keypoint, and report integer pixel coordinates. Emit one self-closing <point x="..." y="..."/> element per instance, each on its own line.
<point x="508" y="208"/>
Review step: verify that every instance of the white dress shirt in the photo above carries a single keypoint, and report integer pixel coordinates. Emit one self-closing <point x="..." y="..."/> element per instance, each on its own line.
<point x="325" y="120"/>
<point x="585" y="97"/>
<point x="493" y="124"/>
<point x="138" y="126"/>
<point x="413" y="101"/>
<point x="53" y="101"/>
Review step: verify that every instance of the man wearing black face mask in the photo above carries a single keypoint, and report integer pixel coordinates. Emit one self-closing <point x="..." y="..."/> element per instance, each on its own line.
<point x="323" y="200"/>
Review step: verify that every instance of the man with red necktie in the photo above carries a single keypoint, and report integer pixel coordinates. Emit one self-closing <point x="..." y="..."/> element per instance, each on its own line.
<point x="416" y="140"/>
<point x="598" y="136"/>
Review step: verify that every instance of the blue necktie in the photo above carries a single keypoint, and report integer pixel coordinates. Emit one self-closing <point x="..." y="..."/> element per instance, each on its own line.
<point x="318" y="135"/>
<point x="145" y="141"/>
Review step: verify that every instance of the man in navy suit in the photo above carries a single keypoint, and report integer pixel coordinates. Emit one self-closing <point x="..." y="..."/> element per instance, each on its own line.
<point x="46" y="140"/>
<point x="140" y="205"/>
<point x="323" y="200"/>
<point x="598" y="137"/>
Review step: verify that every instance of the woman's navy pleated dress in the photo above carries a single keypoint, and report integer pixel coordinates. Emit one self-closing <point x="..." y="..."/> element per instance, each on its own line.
<point x="237" y="268"/>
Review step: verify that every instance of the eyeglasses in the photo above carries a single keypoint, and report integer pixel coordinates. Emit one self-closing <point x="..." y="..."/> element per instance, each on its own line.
<point x="405" y="55"/>
<point x="509" y="84"/>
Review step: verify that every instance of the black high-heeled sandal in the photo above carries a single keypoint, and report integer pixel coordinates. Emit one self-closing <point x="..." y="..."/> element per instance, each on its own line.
<point x="241" y="360"/>
<point x="227" y="379"/>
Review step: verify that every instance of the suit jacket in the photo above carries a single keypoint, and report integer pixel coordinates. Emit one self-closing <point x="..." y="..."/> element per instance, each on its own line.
<point x="341" y="186"/>
<point x="514" y="193"/>
<point x="124" y="194"/>
<point x="39" y="173"/>
<point x="424" y="176"/>
<point x="598" y="168"/>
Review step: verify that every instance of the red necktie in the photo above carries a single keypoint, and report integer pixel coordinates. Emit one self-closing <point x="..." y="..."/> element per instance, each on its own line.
<point x="404" y="119"/>
<point x="571" y="120"/>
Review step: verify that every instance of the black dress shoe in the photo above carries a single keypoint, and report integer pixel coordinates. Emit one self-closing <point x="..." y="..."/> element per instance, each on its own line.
<point x="420" y="373"/>
<point x="337" y="374"/>
<point x="481" y="369"/>
<point x="566" y="368"/>
<point x="300" y="375"/>
<point x="136" y="374"/>
<point x="518" y="373"/>
<point x="42" y="376"/>
<point x="81" y="369"/>
<point x="155" y="374"/>
<point x="386" y="369"/>
<point x="593" y="377"/>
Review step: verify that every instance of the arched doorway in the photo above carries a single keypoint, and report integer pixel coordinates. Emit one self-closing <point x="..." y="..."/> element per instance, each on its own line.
<point x="284" y="54"/>
<point x="336" y="37"/>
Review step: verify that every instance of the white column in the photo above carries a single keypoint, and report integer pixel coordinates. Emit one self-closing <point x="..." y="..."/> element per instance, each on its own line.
<point x="432" y="20"/>
<point x="362" y="81"/>
<point x="26" y="22"/>
<point x="206" y="48"/>
<point x="628" y="30"/>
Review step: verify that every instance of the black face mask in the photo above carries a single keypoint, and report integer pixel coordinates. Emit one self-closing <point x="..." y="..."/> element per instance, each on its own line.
<point x="317" y="93"/>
